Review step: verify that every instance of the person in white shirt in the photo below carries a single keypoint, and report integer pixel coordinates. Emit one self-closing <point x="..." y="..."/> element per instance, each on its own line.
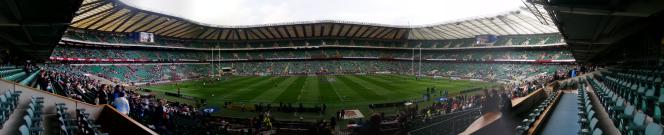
<point x="121" y="103"/>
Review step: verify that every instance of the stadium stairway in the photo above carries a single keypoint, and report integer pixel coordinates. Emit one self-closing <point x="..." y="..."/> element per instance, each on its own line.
<point x="563" y="119"/>
<point x="536" y="118"/>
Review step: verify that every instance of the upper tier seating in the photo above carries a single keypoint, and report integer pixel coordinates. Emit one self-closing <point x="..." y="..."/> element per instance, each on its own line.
<point x="456" y="43"/>
<point x="67" y="51"/>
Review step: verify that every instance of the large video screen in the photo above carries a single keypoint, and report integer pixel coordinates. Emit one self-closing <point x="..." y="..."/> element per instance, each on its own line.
<point x="145" y="37"/>
<point x="485" y="39"/>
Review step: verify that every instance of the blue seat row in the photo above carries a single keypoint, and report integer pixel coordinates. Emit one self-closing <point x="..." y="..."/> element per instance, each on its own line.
<point x="32" y="120"/>
<point x="526" y="124"/>
<point x="8" y="103"/>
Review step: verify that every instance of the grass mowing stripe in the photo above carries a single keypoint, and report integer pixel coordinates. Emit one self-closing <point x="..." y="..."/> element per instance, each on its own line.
<point x="310" y="92"/>
<point x="385" y="85"/>
<point x="256" y="90"/>
<point x="375" y="88"/>
<point x="271" y="95"/>
<point x="292" y="92"/>
<point x="328" y="93"/>
<point x="402" y="86"/>
<point x="368" y="94"/>
<point x="346" y="93"/>
<point x="229" y="89"/>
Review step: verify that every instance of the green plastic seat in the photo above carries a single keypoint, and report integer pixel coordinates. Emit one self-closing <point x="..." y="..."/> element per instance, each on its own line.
<point x="593" y="124"/>
<point x="650" y="94"/>
<point x="638" y="123"/>
<point x="653" y="129"/>
<point x="619" y="105"/>
<point x="584" y="119"/>
<point x="23" y="130"/>
<point x="597" y="131"/>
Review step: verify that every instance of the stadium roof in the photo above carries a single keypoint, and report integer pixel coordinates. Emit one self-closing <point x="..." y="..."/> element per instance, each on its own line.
<point x="594" y="29"/>
<point x="30" y="28"/>
<point x="115" y="16"/>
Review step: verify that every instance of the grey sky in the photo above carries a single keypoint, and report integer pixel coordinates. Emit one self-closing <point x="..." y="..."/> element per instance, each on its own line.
<point x="395" y="12"/>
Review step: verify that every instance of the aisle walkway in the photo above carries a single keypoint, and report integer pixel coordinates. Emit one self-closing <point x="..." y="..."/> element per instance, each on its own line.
<point x="564" y="119"/>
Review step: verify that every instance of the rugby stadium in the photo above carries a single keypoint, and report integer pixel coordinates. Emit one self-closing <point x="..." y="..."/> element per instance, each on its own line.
<point x="552" y="67"/>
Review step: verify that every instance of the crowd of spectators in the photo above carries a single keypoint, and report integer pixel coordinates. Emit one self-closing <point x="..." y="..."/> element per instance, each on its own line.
<point x="159" y="114"/>
<point x="106" y="52"/>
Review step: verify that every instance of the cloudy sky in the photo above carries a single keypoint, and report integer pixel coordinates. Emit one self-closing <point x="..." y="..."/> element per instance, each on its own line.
<point x="394" y="12"/>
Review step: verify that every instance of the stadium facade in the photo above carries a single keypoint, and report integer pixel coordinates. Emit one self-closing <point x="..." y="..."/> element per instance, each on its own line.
<point x="105" y="33"/>
<point x="91" y="65"/>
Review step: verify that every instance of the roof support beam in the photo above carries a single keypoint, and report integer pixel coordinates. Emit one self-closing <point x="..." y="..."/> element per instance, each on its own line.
<point x="384" y="33"/>
<point x="429" y="34"/>
<point x="253" y="34"/>
<point x="211" y="34"/>
<point x="357" y="28"/>
<point x="94" y="2"/>
<point x="246" y="34"/>
<point x="452" y="30"/>
<point x="90" y="9"/>
<point x="292" y="32"/>
<point x="360" y="31"/>
<point x="93" y="15"/>
<point x="447" y="35"/>
<point x="529" y="23"/>
<point x="274" y="31"/>
<point x="502" y="19"/>
<point x="285" y="29"/>
<point x="434" y="34"/>
<point x="157" y="24"/>
<point x="188" y="28"/>
<point x="258" y="33"/>
<point x="190" y="32"/>
<point x="492" y="28"/>
<point x="145" y="23"/>
<point x="309" y="31"/>
<point x="303" y="31"/>
<point x="111" y="22"/>
<point x="462" y="24"/>
<point x="125" y="21"/>
<point x="115" y="10"/>
<point x="375" y="33"/>
<point x="282" y="31"/>
<point x="267" y="33"/>
<point x="369" y="31"/>
<point x="237" y="34"/>
<point x="340" y="29"/>
<point x="230" y="32"/>
<point x="166" y="25"/>
<point x="521" y="28"/>
<point x="322" y="28"/>
<point x="172" y="26"/>
<point x="179" y="28"/>
<point x="483" y="28"/>
<point x="221" y="32"/>
<point x="205" y="36"/>
<point x="329" y="33"/>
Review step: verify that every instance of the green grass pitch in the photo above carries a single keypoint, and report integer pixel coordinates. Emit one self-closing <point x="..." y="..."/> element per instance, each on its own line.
<point x="336" y="91"/>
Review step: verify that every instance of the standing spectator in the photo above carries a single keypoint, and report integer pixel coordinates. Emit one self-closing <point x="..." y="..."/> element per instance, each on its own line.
<point x="102" y="95"/>
<point x="121" y="103"/>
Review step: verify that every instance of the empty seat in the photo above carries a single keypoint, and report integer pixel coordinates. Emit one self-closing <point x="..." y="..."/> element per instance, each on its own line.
<point x="653" y="129"/>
